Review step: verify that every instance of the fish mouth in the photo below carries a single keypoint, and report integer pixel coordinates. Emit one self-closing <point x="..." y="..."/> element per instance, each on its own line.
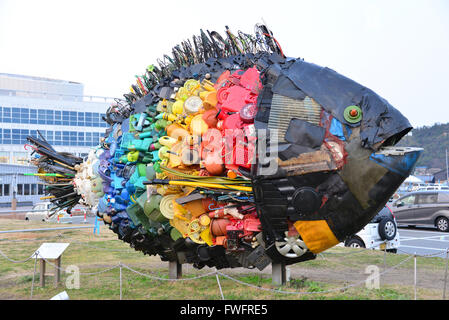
<point x="327" y="207"/>
<point x="369" y="182"/>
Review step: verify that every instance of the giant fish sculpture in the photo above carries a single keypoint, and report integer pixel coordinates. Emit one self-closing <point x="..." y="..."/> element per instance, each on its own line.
<point x="231" y="154"/>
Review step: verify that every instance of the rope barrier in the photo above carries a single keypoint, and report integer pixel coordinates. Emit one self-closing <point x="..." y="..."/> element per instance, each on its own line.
<point x="312" y="292"/>
<point x="15" y="261"/>
<point x="215" y="273"/>
<point x="34" y="274"/>
<point x="219" y="284"/>
<point x="165" y="279"/>
<point x="82" y="273"/>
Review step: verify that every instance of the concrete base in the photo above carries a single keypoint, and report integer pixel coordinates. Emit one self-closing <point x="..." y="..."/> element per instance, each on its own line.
<point x="174" y="270"/>
<point x="14" y="204"/>
<point x="278" y="274"/>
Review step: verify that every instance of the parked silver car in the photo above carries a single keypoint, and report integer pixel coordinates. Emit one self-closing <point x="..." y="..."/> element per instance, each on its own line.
<point x="426" y="208"/>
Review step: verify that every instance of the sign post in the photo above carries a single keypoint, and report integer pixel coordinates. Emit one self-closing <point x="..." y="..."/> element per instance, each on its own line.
<point x="50" y="251"/>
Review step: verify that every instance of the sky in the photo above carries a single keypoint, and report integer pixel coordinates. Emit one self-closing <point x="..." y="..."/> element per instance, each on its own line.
<point x="399" y="49"/>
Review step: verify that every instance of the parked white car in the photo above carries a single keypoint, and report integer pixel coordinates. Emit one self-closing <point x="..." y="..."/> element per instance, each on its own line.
<point x="41" y="212"/>
<point x="433" y="187"/>
<point x="380" y="234"/>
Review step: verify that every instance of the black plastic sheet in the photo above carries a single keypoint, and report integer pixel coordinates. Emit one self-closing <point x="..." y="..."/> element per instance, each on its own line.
<point x="335" y="92"/>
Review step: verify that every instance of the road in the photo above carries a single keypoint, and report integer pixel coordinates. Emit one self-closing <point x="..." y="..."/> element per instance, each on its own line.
<point x="78" y="220"/>
<point x="19" y="214"/>
<point x="423" y="241"/>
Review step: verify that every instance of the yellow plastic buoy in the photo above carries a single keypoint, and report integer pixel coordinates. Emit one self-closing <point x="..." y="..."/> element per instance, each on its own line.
<point x="167" y="141"/>
<point x="204" y="220"/>
<point x="198" y="126"/>
<point x="206" y="236"/>
<point x="178" y="107"/>
<point x="193" y="104"/>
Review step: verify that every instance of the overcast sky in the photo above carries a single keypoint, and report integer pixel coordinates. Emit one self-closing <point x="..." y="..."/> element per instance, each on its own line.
<point x="399" y="49"/>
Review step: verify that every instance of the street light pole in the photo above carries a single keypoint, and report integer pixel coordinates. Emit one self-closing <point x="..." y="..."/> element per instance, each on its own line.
<point x="14" y="190"/>
<point x="447" y="170"/>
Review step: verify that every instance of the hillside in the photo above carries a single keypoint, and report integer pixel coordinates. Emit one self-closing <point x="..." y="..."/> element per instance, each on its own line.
<point x="434" y="139"/>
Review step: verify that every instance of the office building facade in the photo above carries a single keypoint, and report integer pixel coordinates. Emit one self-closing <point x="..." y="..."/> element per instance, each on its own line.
<point x="58" y="109"/>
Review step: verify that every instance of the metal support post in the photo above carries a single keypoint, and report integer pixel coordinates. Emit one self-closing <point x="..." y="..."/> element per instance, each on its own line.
<point x="174" y="270"/>
<point x="278" y="273"/>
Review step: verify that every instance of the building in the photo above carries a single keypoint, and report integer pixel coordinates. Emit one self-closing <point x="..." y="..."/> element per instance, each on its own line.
<point x="442" y="176"/>
<point x="67" y="119"/>
<point x="27" y="190"/>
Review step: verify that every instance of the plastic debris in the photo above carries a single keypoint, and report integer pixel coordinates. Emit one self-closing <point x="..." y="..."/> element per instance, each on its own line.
<point x="230" y="154"/>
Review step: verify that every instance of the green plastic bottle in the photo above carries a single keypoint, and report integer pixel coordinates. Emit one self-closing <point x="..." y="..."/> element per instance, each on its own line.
<point x="150" y="173"/>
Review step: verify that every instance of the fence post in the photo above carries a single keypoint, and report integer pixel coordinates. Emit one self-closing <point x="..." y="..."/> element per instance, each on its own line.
<point x="57" y="277"/>
<point x="34" y="274"/>
<point x="120" y="265"/>
<point x="278" y="273"/>
<point x="445" y="274"/>
<point x="42" y="275"/>
<point x="414" y="258"/>
<point x="174" y="270"/>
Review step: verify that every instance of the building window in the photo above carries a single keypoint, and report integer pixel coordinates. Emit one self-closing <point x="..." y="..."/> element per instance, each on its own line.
<point x="26" y="189"/>
<point x="24" y="133"/>
<point x="49" y="137"/>
<point x="1" y="190"/>
<point x="88" y="119"/>
<point x="16" y="136"/>
<point x="58" y="138"/>
<point x="73" y="136"/>
<point x="73" y="118"/>
<point x="49" y="117"/>
<point x="33" y="189"/>
<point x="33" y="116"/>
<point x="7" y="137"/>
<point x="80" y="141"/>
<point x="65" y="118"/>
<point x="41" y="116"/>
<point x="6" y="190"/>
<point x="40" y="189"/>
<point x="24" y="115"/>
<point x="20" y="189"/>
<point x="7" y="115"/>
<point x="15" y="115"/>
<point x="58" y="118"/>
<point x="4" y="157"/>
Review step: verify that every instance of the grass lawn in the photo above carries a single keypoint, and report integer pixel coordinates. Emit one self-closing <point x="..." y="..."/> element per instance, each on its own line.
<point x="334" y="269"/>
